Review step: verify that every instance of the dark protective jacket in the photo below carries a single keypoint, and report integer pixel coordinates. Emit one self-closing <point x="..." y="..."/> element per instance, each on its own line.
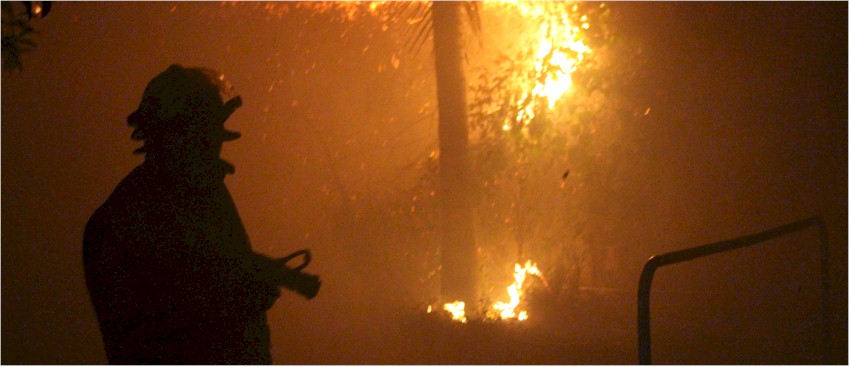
<point x="172" y="275"/>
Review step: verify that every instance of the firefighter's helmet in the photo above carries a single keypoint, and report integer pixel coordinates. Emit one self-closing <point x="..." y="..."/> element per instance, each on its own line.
<point x="185" y="101"/>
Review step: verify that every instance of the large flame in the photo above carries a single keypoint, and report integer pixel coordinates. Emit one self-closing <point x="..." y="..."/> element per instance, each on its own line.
<point x="551" y="55"/>
<point x="558" y="53"/>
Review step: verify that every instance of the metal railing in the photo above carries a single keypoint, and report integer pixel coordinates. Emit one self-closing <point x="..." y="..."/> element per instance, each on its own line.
<point x="657" y="261"/>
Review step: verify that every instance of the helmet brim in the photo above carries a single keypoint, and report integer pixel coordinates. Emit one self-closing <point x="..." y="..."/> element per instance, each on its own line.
<point x="228" y="135"/>
<point x="228" y="109"/>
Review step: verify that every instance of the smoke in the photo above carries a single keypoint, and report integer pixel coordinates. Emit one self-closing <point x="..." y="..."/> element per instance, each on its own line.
<point x="746" y="130"/>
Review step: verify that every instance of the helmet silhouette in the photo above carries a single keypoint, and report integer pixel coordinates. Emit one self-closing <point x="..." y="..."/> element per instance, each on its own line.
<point x="185" y="101"/>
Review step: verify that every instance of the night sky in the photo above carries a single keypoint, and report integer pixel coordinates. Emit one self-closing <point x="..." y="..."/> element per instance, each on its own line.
<point x="747" y="130"/>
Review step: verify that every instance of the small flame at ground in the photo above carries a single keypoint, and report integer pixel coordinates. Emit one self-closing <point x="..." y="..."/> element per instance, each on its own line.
<point x="456" y="308"/>
<point x="506" y="310"/>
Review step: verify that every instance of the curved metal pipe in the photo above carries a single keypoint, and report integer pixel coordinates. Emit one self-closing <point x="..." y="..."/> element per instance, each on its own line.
<point x="657" y="261"/>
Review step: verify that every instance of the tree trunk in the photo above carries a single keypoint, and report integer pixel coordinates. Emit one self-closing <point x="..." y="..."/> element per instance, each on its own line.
<point x="458" y="275"/>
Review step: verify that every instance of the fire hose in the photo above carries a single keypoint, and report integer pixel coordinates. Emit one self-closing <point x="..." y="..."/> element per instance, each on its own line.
<point x="293" y="279"/>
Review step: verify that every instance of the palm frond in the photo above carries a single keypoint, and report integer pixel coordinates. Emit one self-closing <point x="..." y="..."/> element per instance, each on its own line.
<point x="425" y="28"/>
<point x="17" y="29"/>
<point x="419" y="24"/>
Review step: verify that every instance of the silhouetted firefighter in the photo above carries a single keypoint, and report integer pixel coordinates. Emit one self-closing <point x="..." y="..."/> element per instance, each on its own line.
<point x="168" y="265"/>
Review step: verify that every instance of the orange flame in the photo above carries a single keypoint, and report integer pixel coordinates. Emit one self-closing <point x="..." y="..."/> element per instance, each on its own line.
<point x="456" y="308"/>
<point x="558" y="52"/>
<point x="509" y="310"/>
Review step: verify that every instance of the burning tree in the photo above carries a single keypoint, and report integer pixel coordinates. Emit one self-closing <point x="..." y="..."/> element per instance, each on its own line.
<point x="533" y="106"/>
<point x="511" y="119"/>
<point x="544" y="116"/>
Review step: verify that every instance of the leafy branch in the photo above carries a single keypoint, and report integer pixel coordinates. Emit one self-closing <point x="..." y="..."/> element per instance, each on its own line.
<point x="18" y="31"/>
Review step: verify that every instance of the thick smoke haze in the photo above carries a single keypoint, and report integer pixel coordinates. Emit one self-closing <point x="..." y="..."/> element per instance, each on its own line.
<point x="745" y="129"/>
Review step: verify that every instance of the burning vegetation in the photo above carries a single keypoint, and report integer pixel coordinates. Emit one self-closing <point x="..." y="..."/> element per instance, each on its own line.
<point x="542" y="119"/>
<point x="538" y="107"/>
